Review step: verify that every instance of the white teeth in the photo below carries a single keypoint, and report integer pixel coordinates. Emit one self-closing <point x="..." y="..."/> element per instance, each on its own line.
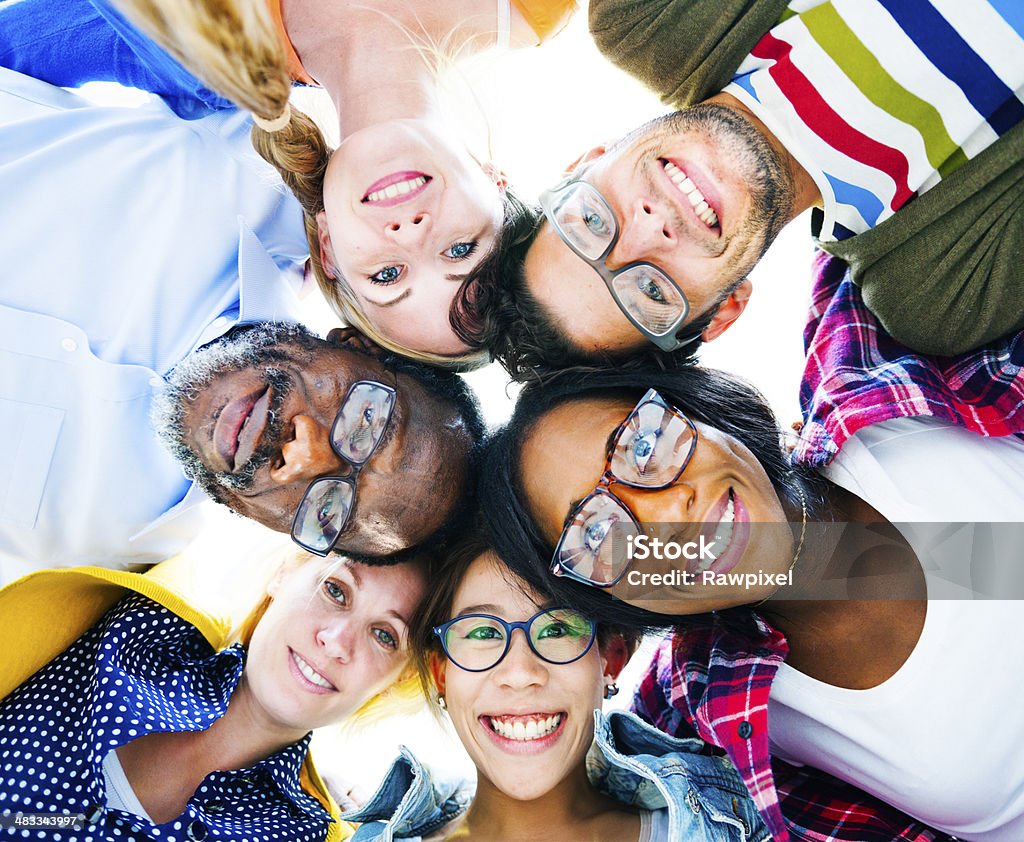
<point x="723" y="534"/>
<point x="400" y="188"/>
<point x="515" y="728"/>
<point x="686" y="186"/>
<point x="311" y="673"/>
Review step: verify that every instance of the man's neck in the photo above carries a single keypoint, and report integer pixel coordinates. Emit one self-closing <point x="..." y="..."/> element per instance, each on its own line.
<point x="805" y="191"/>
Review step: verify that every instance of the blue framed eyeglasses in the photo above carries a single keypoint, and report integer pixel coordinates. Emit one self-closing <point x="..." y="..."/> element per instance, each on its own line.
<point x="478" y="642"/>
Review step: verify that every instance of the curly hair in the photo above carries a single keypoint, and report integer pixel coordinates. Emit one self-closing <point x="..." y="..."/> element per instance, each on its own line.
<point x="496" y="310"/>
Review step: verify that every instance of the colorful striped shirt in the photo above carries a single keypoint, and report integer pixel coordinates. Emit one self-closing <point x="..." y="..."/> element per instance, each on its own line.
<point x="879" y="100"/>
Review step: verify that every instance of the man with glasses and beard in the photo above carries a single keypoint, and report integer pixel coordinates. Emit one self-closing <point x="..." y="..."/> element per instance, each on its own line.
<point x="135" y="244"/>
<point x="898" y="121"/>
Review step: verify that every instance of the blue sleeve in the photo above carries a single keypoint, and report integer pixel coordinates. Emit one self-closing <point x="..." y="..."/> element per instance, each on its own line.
<point x="71" y="42"/>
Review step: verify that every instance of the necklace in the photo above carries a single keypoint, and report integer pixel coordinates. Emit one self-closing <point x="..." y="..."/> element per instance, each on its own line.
<point x="800" y="543"/>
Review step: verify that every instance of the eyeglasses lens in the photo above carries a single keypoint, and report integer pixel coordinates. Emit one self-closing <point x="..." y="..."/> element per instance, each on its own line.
<point x="561" y="635"/>
<point x="652" y="447"/>
<point x="583" y="216"/>
<point x="323" y="512"/>
<point x="477" y="642"/>
<point x="361" y="423"/>
<point x="593" y="545"/>
<point x="650" y="297"/>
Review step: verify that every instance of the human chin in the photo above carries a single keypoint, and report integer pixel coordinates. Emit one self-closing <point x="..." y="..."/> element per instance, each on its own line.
<point x="526" y="755"/>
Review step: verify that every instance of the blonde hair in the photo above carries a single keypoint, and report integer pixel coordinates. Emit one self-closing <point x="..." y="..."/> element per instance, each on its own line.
<point x="234" y="48"/>
<point x="403" y="696"/>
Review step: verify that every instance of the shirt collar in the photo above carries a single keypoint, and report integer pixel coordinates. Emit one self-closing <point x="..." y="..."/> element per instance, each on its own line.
<point x="284" y="769"/>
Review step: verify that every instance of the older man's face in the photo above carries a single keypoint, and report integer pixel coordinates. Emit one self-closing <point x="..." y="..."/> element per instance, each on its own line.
<point x="250" y="418"/>
<point x="699" y="193"/>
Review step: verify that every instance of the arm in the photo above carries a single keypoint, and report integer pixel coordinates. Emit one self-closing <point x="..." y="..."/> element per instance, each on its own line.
<point x="684" y="50"/>
<point x="943" y="275"/>
<point x="71" y="42"/>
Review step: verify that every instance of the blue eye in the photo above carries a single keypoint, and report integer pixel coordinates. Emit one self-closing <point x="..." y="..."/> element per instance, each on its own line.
<point x="595" y="533"/>
<point x="461" y="251"/>
<point x="641" y="449"/>
<point x="651" y="289"/>
<point x="387" y="275"/>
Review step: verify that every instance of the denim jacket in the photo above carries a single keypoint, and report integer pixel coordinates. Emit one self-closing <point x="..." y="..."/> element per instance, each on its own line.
<point x="629" y="760"/>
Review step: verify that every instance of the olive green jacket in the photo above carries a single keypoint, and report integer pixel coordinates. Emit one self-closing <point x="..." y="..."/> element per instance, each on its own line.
<point x="944" y="273"/>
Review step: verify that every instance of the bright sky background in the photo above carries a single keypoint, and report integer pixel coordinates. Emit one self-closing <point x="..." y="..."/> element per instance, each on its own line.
<point x="544" y="108"/>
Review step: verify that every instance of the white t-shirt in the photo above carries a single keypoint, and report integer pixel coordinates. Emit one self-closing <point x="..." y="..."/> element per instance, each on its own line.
<point x="120" y="795"/>
<point x="942" y="738"/>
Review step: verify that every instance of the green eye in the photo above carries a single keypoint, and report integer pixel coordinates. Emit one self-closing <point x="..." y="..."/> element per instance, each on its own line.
<point x="385" y="638"/>
<point x="484" y="633"/>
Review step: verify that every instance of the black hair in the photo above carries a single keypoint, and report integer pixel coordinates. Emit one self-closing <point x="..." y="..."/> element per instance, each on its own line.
<point x="495" y="309"/>
<point x="712" y="397"/>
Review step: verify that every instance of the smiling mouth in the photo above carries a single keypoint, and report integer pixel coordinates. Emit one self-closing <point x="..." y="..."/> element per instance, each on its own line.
<point x="534" y="726"/>
<point x="396" y="188"/>
<point x="691" y="193"/>
<point x="309" y="673"/>
<point x="239" y="425"/>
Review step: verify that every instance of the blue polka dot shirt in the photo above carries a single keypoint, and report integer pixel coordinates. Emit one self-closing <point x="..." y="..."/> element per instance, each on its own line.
<point x="140" y="670"/>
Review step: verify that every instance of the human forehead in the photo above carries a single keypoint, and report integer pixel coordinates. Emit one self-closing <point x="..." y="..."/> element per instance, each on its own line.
<point x="488" y="582"/>
<point x="575" y="297"/>
<point x="564" y="454"/>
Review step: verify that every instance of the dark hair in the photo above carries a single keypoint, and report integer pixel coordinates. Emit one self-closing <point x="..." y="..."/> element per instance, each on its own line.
<point x="712" y="397"/>
<point x="436" y="607"/>
<point x="494" y="308"/>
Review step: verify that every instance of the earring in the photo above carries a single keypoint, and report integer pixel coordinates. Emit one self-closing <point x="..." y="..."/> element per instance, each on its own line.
<point x="441" y="703"/>
<point x="610" y="690"/>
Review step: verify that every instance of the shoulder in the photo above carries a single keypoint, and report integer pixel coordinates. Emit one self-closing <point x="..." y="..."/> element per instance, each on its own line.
<point x="926" y="469"/>
<point x="684" y="50"/>
<point x="410" y="801"/>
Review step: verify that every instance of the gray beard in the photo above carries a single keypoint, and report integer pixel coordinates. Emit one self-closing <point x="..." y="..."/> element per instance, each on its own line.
<point x="248" y="346"/>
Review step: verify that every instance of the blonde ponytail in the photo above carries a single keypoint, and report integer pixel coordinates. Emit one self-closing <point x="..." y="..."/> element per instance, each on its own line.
<point x="231" y="45"/>
<point x="234" y="48"/>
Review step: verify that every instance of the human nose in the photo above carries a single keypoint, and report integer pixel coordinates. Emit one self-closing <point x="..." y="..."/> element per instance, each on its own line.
<point x="337" y="640"/>
<point x="645" y="229"/>
<point x="520" y="668"/>
<point x="409" y="227"/>
<point x="672" y="504"/>
<point x="308" y="454"/>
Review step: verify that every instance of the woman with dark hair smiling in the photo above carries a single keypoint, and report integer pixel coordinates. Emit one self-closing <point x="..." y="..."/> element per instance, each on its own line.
<point x="863" y="654"/>
<point x="550" y="765"/>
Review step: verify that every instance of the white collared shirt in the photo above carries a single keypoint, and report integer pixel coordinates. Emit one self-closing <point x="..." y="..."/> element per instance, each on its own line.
<point x="129" y="238"/>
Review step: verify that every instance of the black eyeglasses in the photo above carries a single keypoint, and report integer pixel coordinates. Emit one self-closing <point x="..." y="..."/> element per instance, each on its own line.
<point x="649" y="450"/>
<point x="646" y="294"/>
<point x="357" y="431"/>
<point x="478" y="642"/>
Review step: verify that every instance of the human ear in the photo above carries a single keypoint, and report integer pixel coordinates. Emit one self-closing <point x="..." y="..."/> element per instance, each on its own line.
<point x="438" y="667"/>
<point x="728" y="311"/>
<point x="354" y="339"/>
<point x="614" y="654"/>
<point x="590" y="155"/>
<point x="326" y="250"/>
<point x="496" y="175"/>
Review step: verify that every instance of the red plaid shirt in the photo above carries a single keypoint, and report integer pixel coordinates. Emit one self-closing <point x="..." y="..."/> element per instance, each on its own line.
<point x="714" y="684"/>
<point x="856" y="374"/>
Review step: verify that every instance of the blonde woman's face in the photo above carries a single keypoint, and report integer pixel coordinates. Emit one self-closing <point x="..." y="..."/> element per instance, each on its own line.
<point x="335" y="635"/>
<point x="408" y="213"/>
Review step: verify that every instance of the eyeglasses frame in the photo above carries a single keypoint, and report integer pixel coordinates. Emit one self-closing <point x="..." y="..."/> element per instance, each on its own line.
<point x="673" y="338"/>
<point x="524" y="625"/>
<point x="602" y="487"/>
<point x="356" y="467"/>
